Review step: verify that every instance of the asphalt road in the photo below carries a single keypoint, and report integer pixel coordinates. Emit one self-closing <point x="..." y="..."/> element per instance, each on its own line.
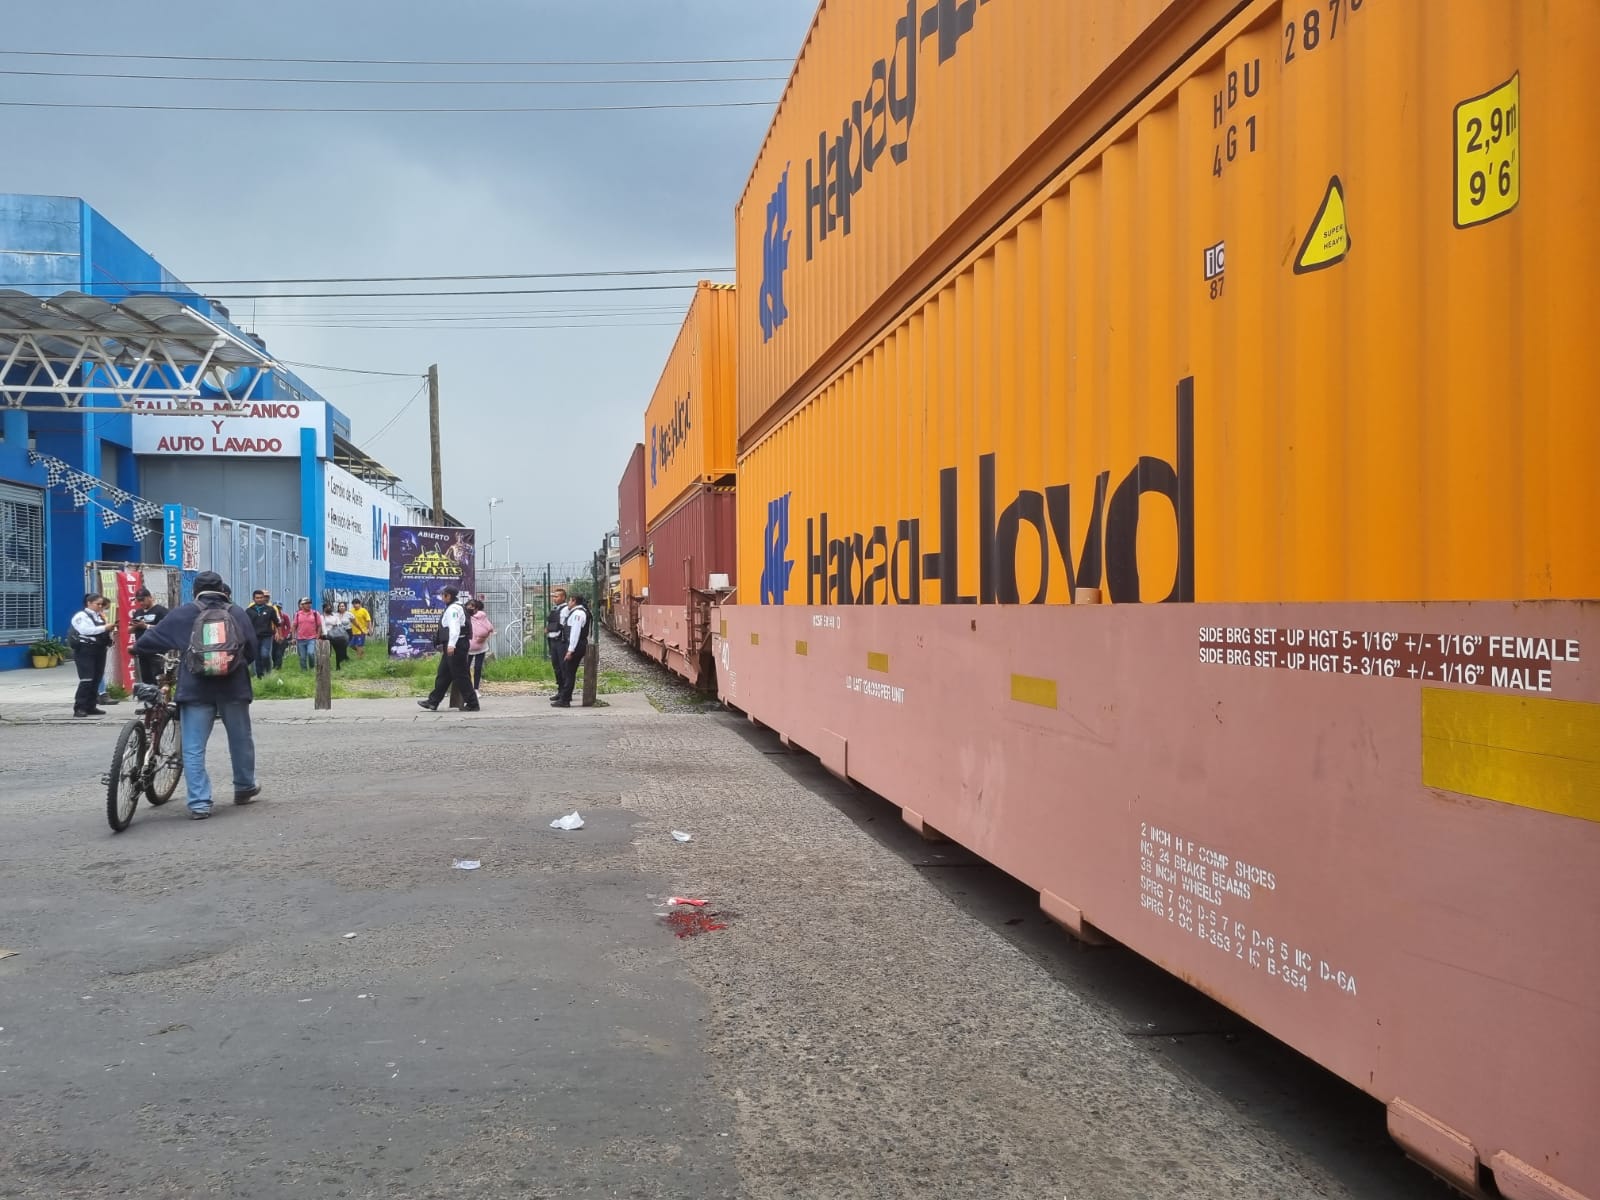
<point x="185" y="1016"/>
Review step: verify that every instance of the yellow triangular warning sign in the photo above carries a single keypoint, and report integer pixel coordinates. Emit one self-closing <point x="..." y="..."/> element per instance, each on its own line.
<point x="1328" y="239"/>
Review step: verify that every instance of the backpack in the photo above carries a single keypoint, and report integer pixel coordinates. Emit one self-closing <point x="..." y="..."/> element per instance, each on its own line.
<point x="215" y="643"/>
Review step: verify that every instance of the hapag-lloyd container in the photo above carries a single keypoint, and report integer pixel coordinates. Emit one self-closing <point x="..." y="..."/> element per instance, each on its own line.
<point x="630" y="504"/>
<point x="1166" y="376"/>
<point x="689" y="433"/>
<point x="685" y="548"/>
<point x="1301" y="340"/>
<point x="904" y="135"/>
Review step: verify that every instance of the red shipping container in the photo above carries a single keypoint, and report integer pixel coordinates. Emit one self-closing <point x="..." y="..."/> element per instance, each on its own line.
<point x="630" y="503"/>
<point x="700" y="530"/>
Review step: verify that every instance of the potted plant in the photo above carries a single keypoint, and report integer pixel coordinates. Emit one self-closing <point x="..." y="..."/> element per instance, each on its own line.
<point x="59" y="651"/>
<point x="43" y="653"/>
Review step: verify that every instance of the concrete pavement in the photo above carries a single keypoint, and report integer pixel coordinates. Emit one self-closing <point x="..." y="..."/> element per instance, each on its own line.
<point x="185" y="1016"/>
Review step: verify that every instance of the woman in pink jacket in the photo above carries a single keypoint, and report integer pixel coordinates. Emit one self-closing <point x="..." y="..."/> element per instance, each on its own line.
<point x="478" y="646"/>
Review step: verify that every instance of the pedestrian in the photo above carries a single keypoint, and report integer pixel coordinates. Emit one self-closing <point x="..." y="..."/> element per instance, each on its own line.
<point x="91" y="638"/>
<point x="360" y="627"/>
<point x="280" y="636"/>
<point x="263" y="615"/>
<point x="478" y="646"/>
<point x="306" y="626"/>
<point x="145" y="616"/>
<point x="453" y="640"/>
<point x="337" y="624"/>
<point x="576" y="624"/>
<point x="554" y="632"/>
<point x="213" y="684"/>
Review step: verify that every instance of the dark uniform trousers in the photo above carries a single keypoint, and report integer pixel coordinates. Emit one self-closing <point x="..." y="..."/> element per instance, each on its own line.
<point x="454" y="672"/>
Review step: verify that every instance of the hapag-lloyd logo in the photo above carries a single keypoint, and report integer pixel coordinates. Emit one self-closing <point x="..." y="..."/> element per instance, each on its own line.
<point x="776" y="565"/>
<point x="873" y="568"/>
<point x="666" y="439"/>
<point x="852" y="150"/>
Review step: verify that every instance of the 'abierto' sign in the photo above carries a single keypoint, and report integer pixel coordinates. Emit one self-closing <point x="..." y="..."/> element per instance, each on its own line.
<point x="268" y="429"/>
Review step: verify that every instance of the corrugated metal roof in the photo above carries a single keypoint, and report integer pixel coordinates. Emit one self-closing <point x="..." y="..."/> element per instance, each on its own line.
<point x="59" y="324"/>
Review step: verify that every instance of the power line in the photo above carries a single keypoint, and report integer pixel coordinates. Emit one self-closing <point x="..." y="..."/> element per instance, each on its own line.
<point x="399" y="62"/>
<point x="631" y="273"/>
<point x="385" y="82"/>
<point x="636" y="287"/>
<point x="287" y="362"/>
<point x="322" y="109"/>
<point x="420" y="389"/>
<point x="472" y="328"/>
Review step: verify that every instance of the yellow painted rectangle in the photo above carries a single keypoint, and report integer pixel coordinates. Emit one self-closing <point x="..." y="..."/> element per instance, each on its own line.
<point x="1127" y="384"/>
<point x="802" y="649"/>
<point x="689" y="432"/>
<point x="1026" y="689"/>
<point x="755" y="639"/>
<point x="1524" y="750"/>
<point x="722" y="629"/>
<point x="877" y="662"/>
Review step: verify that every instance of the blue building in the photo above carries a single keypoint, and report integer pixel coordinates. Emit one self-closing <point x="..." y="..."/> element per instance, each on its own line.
<point x="86" y="462"/>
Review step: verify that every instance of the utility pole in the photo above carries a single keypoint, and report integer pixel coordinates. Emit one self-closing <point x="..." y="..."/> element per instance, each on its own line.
<point x="433" y="437"/>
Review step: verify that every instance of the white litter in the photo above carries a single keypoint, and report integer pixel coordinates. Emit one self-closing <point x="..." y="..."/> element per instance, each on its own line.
<point x="467" y="864"/>
<point x="679" y="835"/>
<point x="569" y="822"/>
<point x="348" y="936"/>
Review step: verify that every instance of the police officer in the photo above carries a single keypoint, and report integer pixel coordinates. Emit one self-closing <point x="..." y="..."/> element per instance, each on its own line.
<point x="576" y="624"/>
<point x="455" y="636"/>
<point x="554" y="634"/>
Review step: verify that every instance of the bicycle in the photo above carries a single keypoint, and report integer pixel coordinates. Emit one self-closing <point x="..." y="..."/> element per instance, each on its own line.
<point x="148" y="759"/>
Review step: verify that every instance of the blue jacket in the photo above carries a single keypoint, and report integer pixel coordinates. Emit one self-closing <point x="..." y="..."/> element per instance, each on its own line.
<point x="173" y="634"/>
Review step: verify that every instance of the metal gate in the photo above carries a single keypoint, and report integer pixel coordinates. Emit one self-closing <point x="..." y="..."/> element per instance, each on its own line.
<point x="500" y="589"/>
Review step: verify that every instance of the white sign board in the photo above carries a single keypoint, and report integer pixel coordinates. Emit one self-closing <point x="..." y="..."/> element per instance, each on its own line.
<point x="263" y="429"/>
<point x="356" y="520"/>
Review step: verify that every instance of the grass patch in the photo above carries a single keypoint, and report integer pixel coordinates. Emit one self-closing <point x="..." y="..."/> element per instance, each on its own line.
<point x="377" y="676"/>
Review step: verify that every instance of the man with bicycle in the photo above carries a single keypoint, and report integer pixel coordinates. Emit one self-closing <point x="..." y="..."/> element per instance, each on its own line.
<point x="210" y="690"/>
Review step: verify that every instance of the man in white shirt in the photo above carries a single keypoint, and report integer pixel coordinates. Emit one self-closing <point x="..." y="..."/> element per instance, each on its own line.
<point x="576" y="624"/>
<point x="455" y="632"/>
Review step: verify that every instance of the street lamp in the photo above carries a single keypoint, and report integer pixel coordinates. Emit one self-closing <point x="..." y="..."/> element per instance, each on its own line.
<point x="493" y="500"/>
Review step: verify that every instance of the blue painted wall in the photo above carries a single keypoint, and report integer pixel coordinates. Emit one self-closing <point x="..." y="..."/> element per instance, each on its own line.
<point x="59" y="243"/>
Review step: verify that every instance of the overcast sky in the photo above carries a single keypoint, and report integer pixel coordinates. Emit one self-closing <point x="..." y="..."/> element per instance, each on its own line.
<point x="542" y="418"/>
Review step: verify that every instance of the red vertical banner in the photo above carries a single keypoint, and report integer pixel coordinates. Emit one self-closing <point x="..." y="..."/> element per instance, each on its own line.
<point x="120" y="666"/>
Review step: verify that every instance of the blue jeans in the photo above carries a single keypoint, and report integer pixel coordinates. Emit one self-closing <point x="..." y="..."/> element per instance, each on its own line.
<point x="308" y="652"/>
<point x="264" y="657"/>
<point x="196" y="720"/>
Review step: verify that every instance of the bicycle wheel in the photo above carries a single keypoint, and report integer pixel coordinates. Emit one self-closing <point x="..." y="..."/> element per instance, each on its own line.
<point x="166" y="758"/>
<point x="126" y="780"/>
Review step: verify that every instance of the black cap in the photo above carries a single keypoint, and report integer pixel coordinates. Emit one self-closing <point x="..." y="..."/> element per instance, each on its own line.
<point x="210" y="581"/>
<point x="449" y="591"/>
<point x="142" y="594"/>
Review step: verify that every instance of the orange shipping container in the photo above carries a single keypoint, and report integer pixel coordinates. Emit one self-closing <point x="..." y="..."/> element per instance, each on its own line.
<point x="635" y="576"/>
<point x="893" y="145"/>
<point x="1277" y="336"/>
<point x="689" y="427"/>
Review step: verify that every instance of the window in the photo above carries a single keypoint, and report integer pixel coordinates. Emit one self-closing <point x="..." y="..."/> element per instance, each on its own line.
<point x="21" y="563"/>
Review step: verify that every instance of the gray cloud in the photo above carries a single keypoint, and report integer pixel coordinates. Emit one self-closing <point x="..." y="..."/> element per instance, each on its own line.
<point x="542" y="418"/>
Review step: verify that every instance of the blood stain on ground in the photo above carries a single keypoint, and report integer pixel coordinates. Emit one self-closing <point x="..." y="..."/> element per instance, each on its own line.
<point x="693" y="921"/>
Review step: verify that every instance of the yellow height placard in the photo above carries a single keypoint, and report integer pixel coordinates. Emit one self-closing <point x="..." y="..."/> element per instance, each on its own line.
<point x="1488" y="158"/>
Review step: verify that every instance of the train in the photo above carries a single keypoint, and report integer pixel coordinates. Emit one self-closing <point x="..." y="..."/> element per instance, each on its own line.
<point x="1146" y="444"/>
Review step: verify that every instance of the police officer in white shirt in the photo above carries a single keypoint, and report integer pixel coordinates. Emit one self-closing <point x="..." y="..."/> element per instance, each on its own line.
<point x="455" y="632"/>
<point x="575" y="622"/>
<point x="91" y="638"/>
